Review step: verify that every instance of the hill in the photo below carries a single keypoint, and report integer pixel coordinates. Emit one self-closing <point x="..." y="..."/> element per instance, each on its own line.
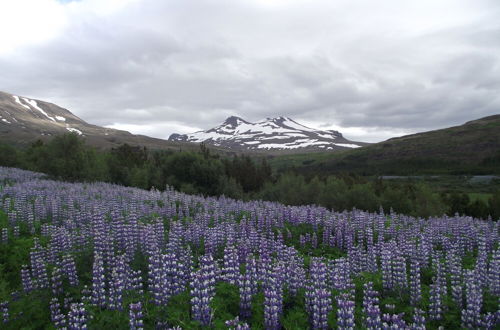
<point x="24" y="120"/>
<point x="471" y="148"/>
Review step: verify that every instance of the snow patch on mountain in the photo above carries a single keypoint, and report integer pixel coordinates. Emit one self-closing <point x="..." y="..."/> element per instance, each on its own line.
<point x="16" y="98"/>
<point x="35" y="105"/>
<point x="280" y="133"/>
<point x="74" y="130"/>
<point x="348" y="145"/>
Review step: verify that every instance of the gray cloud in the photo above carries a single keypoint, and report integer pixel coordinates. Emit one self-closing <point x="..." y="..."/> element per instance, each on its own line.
<point x="159" y="66"/>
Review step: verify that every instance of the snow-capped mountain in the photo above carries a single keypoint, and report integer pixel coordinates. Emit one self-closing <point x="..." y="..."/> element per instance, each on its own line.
<point x="281" y="133"/>
<point x="24" y="120"/>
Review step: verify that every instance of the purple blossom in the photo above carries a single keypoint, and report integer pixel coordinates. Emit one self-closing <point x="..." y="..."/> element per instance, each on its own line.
<point x="231" y="269"/>
<point x="98" y="282"/>
<point x="77" y="317"/>
<point x="58" y="318"/>
<point x="345" y="312"/>
<point x="4" y="309"/>
<point x="135" y="316"/>
<point x="203" y="290"/>
<point x="471" y="314"/>
<point x="318" y="298"/>
<point x="418" y="320"/>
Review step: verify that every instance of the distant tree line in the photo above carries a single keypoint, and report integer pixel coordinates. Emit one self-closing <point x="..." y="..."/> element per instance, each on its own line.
<point x="68" y="158"/>
<point x="348" y="191"/>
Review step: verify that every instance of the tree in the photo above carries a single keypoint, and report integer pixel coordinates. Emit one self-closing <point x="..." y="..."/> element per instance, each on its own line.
<point x="64" y="157"/>
<point x="494" y="206"/>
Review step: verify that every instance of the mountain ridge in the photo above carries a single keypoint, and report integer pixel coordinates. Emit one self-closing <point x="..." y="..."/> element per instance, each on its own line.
<point x="273" y="133"/>
<point x="24" y="120"/>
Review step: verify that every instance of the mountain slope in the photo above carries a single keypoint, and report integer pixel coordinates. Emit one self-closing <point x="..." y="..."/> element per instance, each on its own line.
<point x="24" y="120"/>
<point x="473" y="147"/>
<point x="271" y="134"/>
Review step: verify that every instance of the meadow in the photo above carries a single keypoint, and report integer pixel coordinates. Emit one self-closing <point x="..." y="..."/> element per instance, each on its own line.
<point x="103" y="256"/>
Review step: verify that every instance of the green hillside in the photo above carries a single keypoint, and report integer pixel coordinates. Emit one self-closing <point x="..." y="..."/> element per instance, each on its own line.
<point x="472" y="148"/>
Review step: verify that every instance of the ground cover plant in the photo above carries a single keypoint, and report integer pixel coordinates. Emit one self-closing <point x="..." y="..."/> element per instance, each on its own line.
<point x="68" y="158"/>
<point x="101" y="256"/>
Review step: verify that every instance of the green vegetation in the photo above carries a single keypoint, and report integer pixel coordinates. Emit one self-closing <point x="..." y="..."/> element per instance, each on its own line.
<point x="67" y="158"/>
<point x="472" y="148"/>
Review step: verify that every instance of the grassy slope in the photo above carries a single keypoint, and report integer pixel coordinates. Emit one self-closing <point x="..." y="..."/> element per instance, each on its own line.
<point x="472" y="148"/>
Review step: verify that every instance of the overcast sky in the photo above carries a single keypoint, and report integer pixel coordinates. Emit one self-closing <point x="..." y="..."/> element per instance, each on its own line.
<point x="371" y="69"/>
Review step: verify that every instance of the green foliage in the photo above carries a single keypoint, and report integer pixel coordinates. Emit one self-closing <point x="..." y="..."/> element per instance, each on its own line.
<point x="65" y="157"/>
<point x="393" y="198"/>
<point x="494" y="204"/>
<point x="8" y="156"/>
<point x="427" y="203"/>
<point x="226" y="303"/>
<point x="241" y="177"/>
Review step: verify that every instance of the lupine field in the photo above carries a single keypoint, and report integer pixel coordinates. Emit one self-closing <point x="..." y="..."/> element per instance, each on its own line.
<point x="100" y="256"/>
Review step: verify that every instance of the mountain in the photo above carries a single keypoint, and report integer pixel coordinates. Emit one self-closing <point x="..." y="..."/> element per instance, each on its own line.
<point x="270" y="134"/>
<point x="471" y="148"/>
<point x="24" y="120"/>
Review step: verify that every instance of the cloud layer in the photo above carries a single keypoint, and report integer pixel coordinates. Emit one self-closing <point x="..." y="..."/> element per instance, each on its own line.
<point x="370" y="69"/>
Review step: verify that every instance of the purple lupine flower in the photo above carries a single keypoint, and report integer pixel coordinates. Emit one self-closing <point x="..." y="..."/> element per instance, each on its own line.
<point x="26" y="279"/>
<point x="471" y="314"/>
<point x="245" y="286"/>
<point x="345" y="312"/>
<point x="231" y="268"/>
<point x="77" y="317"/>
<point x="373" y="320"/>
<point x="418" y="320"/>
<point x="82" y="224"/>
<point x="98" y="282"/>
<point x="321" y="307"/>
<point x="56" y="281"/>
<point x="203" y="290"/>
<point x="38" y="267"/>
<point x="370" y="296"/>
<point x="117" y="284"/>
<point x="296" y="275"/>
<point x="86" y="294"/>
<point x="318" y="300"/>
<point x="156" y="280"/>
<point x="5" y="235"/>
<point x="273" y="304"/>
<point x="435" y="302"/>
<point x="264" y="265"/>
<point x="58" y="318"/>
<point x="494" y="273"/>
<point x="4" y="309"/>
<point x="253" y="273"/>
<point x="314" y="241"/>
<point x="399" y="271"/>
<point x="415" y="286"/>
<point x="455" y="271"/>
<point x="340" y="275"/>
<point x="235" y="324"/>
<point x="490" y="321"/>
<point x="273" y="297"/>
<point x="481" y="262"/>
<point x="166" y="277"/>
<point x="135" y="316"/>
<point x="393" y="321"/>
<point x="386" y="266"/>
<point x="69" y="269"/>
<point x="371" y="307"/>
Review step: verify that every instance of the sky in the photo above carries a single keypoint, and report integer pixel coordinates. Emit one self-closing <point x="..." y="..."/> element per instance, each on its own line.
<point x="370" y="69"/>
